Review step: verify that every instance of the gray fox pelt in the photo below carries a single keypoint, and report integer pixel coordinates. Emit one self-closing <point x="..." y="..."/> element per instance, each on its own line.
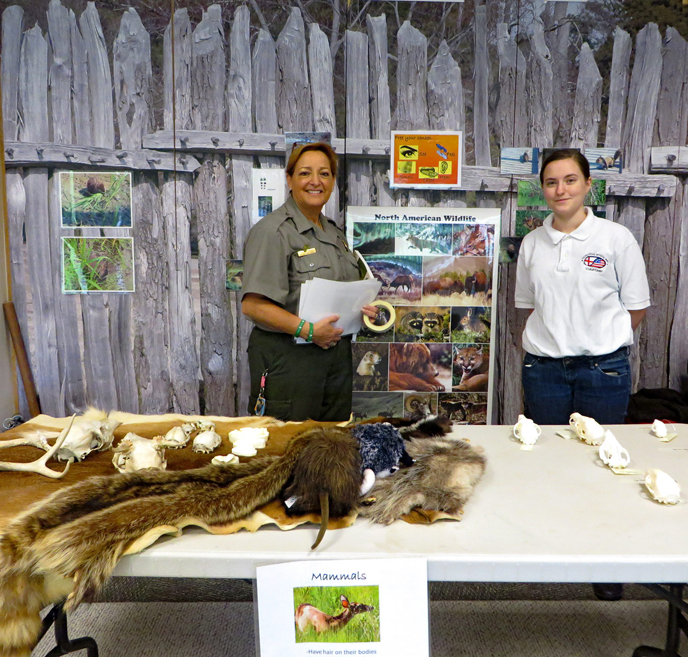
<point x="442" y="478"/>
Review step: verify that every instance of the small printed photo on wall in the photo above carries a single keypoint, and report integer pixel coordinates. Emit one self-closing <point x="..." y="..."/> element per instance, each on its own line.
<point x="95" y="199"/>
<point x="371" y="364"/>
<point x="463" y="407"/>
<point x="366" y="405"/>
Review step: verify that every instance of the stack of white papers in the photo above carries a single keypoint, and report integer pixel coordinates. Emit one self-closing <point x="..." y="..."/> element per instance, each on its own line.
<point x="321" y="298"/>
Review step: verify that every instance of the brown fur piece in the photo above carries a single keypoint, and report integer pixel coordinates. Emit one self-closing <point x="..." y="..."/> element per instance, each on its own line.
<point x="79" y="533"/>
<point x="327" y="475"/>
<point x="442" y="479"/>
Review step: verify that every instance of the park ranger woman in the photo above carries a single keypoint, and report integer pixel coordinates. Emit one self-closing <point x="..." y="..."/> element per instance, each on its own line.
<point x="291" y="245"/>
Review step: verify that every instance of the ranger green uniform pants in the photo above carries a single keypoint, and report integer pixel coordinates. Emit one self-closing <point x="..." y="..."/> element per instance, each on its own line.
<point x="303" y="381"/>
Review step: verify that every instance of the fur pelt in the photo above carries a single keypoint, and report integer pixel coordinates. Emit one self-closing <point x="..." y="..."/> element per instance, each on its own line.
<point x="442" y="478"/>
<point x="326" y="477"/>
<point x="71" y="542"/>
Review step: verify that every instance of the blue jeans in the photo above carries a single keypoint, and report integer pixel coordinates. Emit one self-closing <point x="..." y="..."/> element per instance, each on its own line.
<point x="596" y="386"/>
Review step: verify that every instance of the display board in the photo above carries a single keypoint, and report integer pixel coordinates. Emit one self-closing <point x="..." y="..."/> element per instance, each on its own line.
<point x="438" y="269"/>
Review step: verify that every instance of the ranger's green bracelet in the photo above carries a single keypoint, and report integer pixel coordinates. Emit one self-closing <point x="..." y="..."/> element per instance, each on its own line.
<point x="298" y="330"/>
<point x="310" y="333"/>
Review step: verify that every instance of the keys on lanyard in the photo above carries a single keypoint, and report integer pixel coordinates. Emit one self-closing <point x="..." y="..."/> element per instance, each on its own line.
<point x="259" y="408"/>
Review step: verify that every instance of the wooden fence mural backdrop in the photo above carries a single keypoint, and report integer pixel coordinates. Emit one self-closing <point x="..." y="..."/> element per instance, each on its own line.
<point x="66" y="105"/>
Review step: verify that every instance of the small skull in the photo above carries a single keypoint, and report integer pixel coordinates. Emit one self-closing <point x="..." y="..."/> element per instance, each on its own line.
<point x="205" y="425"/>
<point x="206" y="442"/>
<point x="137" y="453"/>
<point x="175" y="438"/>
<point x="86" y="437"/>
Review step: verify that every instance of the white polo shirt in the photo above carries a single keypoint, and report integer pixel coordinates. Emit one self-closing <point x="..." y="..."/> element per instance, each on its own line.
<point x="581" y="286"/>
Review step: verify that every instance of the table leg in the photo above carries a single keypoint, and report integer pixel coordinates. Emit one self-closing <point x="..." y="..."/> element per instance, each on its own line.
<point x="65" y="645"/>
<point x="676" y="622"/>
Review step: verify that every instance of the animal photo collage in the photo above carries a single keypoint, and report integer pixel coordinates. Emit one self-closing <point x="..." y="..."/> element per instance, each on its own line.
<point x="438" y="273"/>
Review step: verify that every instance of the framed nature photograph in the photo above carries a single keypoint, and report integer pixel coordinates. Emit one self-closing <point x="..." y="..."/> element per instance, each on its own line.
<point x="97" y="264"/>
<point x="95" y="199"/>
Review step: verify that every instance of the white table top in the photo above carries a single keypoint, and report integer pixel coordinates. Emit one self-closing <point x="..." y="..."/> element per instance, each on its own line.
<point x="555" y="514"/>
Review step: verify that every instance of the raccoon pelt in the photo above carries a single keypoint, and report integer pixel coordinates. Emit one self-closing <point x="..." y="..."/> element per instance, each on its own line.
<point x="71" y="542"/>
<point x="442" y="478"/>
<point x="326" y="478"/>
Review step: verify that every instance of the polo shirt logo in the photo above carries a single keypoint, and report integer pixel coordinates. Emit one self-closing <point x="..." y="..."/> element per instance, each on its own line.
<point x="594" y="262"/>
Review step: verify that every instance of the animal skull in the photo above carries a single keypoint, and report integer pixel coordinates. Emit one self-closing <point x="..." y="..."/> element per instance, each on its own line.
<point x="612" y="453"/>
<point x="85" y="437"/>
<point x="205" y="425"/>
<point x="587" y="429"/>
<point x="175" y="438"/>
<point x="662" y="487"/>
<point x="137" y="453"/>
<point x="206" y="441"/>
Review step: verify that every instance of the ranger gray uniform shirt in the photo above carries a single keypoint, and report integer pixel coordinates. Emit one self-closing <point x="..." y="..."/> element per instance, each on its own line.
<point x="273" y="267"/>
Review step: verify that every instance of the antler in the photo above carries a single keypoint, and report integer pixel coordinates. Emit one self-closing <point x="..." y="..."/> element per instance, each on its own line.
<point x="39" y="466"/>
<point x="35" y="440"/>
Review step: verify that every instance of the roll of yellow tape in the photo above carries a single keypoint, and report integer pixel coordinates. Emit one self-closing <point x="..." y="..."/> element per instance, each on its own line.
<point x="386" y="310"/>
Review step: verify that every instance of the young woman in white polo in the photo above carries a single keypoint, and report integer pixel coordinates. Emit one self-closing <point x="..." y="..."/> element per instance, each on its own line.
<point x="584" y="280"/>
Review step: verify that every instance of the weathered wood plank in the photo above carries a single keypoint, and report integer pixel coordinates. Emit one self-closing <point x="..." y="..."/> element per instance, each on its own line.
<point x="99" y="78"/>
<point x="618" y="87"/>
<point x="265" y="84"/>
<point x="183" y="357"/>
<point x="671" y="113"/>
<point x="587" y="109"/>
<point x="322" y="90"/>
<point x="412" y="108"/>
<point x="210" y="191"/>
<point x="46" y="366"/>
<point x="294" y="106"/>
<point x="660" y="260"/>
<point x="512" y="112"/>
<point x="20" y="154"/>
<point x="133" y="77"/>
<point x="12" y="29"/>
<point x="678" y="345"/>
<point x="662" y="228"/>
<point x="357" y="114"/>
<point x="380" y="111"/>
<point x="16" y="212"/>
<point x="67" y="306"/>
<point x="540" y="89"/>
<point x="67" y="314"/>
<point x="81" y="100"/>
<point x="176" y="194"/>
<point x="239" y="103"/>
<point x="642" y="99"/>
<point x="60" y="72"/>
<point x="107" y="317"/>
<point x="558" y="42"/>
<point x="446" y="108"/>
<point x="150" y="303"/>
<point x="481" y="73"/>
<point x="33" y="110"/>
<point x="180" y="82"/>
<point x="208" y="72"/>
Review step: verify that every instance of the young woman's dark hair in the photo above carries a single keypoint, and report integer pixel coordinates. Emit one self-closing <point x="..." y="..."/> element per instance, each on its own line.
<point x="566" y="154"/>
